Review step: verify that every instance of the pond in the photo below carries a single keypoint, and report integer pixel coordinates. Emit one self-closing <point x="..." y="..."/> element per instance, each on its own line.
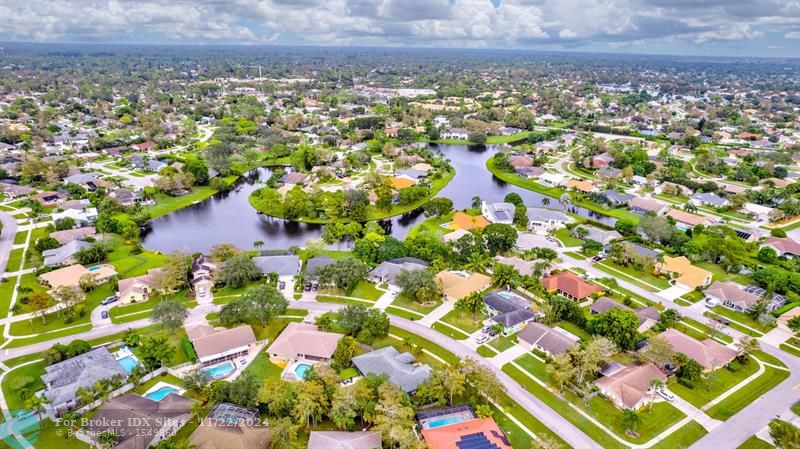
<point x="227" y="217"/>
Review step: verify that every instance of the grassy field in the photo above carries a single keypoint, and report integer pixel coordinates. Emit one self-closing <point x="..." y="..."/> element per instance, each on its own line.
<point x="409" y="303"/>
<point x="463" y="321"/>
<point x="749" y="393"/>
<point x="755" y="442"/>
<point x="403" y="313"/>
<point x="451" y="332"/>
<point x="14" y="260"/>
<point x="20" y="237"/>
<point x="632" y="274"/>
<point x="683" y="437"/>
<point x="11" y="392"/>
<point x="364" y="290"/>
<point x="741" y="318"/>
<point x="717" y="383"/>
<point x="563" y="236"/>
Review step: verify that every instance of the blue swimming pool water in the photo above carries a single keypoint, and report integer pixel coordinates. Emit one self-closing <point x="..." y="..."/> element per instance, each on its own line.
<point x="301" y="369"/>
<point x="505" y="295"/>
<point x="220" y="371"/>
<point x="128" y="363"/>
<point x="161" y="393"/>
<point x="93" y="268"/>
<point x="446" y="421"/>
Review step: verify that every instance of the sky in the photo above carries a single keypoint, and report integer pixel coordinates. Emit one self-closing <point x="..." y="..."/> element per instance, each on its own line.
<point x="689" y="27"/>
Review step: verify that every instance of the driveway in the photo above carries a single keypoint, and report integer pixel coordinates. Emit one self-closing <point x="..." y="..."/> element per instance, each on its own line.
<point x="673" y="293"/>
<point x="437" y="313"/>
<point x="508" y="355"/>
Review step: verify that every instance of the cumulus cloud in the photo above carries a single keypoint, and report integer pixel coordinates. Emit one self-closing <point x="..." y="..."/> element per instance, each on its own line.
<point x="457" y="23"/>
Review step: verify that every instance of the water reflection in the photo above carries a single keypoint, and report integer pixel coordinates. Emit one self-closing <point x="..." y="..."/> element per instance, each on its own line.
<point x="228" y="217"/>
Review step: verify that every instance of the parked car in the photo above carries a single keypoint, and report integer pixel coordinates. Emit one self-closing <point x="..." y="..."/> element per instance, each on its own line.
<point x="597" y="258"/>
<point x="482" y="339"/>
<point x="666" y="394"/>
<point x="486" y="329"/>
<point x="315" y="286"/>
<point x="307" y="287"/>
<point x="104" y="314"/>
<point x="109" y="300"/>
<point x="281" y="285"/>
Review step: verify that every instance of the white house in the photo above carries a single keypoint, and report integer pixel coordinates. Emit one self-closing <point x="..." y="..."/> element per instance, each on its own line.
<point x="553" y="179"/>
<point x="456" y="133"/>
<point x="545" y="220"/>
<point x="81" y="217"/>
<point x="498" y="212"/>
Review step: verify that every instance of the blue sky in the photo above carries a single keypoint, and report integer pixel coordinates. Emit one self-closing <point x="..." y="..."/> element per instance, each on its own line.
<point x="693" y="27"/>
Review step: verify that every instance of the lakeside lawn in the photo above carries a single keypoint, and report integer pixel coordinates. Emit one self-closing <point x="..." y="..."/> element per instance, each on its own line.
<point x="166" y="204"/>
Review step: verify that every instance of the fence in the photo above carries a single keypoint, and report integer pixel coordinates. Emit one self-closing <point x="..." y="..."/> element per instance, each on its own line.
<point x="120" y="391"/>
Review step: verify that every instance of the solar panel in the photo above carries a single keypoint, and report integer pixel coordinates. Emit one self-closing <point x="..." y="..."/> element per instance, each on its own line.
<point x="475" y="441"/>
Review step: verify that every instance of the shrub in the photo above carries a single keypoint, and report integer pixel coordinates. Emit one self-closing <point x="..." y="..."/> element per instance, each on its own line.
<point x="188" y="349"/>
<point x="733" y="366"/>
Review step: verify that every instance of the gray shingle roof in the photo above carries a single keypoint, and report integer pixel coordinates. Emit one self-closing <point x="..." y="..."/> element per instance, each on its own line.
<point x="64" y="378"/>
<point x="283" y="265"/>
<point x="399" y="367"/>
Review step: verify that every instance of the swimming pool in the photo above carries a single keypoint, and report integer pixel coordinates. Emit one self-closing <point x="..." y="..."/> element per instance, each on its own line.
<point x="128" y="363"/>
<point x="161" y="393"/>
<point x="95" y="268"/>
<point x="301" y="369"/>
<point x="446" y="421"/>
<point x="220" y="371"/>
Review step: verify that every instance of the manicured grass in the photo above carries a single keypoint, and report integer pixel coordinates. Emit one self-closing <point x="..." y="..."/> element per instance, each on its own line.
<point x="486" y="351"/>
<point x="633" y="275"/>
<point x="20" y="237"/>
<point x="719" y="274"/>
<point x="363" y="290"/>
<point x="564" y="237"/>
<point x="501" y="343"/>
<point x="683" y="437"/>
<point x="403" y="313"/>
<point x="273" y="328"/>
<point x="792" y="346"/>
<point x="55" y="320"/>
<point x="52" y="436"/>
<point x="455" y="334"/>
<point x="522" y="135"/>
<point x="166" y="204"/>
<point x="14" y="260"/>
<point x="442" y="353"/>
<point x="749" y="393"/>
<point x="20" y="342"/>
<point x="700" y="331"/>
<point x="6" y="291"/>
<point x="755" y="442"/>
<point x="574" y="329"/>
<point x="432" y="226"/>
<point x="173" y="338"/>
<point x="12" y="394"/>
<point x="463" y="320"/>
<point x="338" y="300"/>
<point x="741" y="318"/>
<point x="130" y="265"/>
<point x="576" y="255"/>
<point x="717" y="383"/>
<point x="409" y="303"/>
<point x="262" y="368"/>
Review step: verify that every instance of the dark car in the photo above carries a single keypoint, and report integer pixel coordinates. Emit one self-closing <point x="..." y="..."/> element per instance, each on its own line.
<point x="307" y="287"/>
<point x="104" y="314"/>
<point x="281" y="285"/>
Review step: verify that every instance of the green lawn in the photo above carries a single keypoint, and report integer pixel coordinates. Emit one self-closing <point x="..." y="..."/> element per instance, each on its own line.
<point x="166" y="204"/>
<point x="411" y="304"/>
<point x="574" y="329"/>
<point x="20" y="237"/>
<point x="745" y="396"/>
<point x="631" y="274"/>
<point x="14" y="260"/>
<point x="51" y="436"/>
<point x="6" y="291"/>
<point x="338" y="300"/>
<point x="262" y="368"/>
<point x="522" y="135"/>
<point x="463" y="320"/>
<point x="403" y="313"/>
<point x="700" y="331"/>
<point x="564" y="237"/>
<point x="453" y="333"/>
<point x="501" y="343"/>
<point x="486" y="351"/>
<point x="755" y="442"/>
<point x="12" y="394"/>
<point x="719" y="274"/>
<point x="683" y="437"/>
<point x="576" y="255"/>
<point x="174" y="339"/>
<point x="364" y="290"/>
<point x="741" y="318"/>
<point x="717" y="383"/>
<point x="432" y="226"/>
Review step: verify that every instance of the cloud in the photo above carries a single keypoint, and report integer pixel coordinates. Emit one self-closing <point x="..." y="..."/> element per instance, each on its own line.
<point x="454" y="23"/>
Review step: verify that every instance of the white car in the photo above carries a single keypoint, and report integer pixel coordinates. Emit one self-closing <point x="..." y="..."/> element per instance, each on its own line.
<point x="483" y="338"/>
<point x="666" y="394"/>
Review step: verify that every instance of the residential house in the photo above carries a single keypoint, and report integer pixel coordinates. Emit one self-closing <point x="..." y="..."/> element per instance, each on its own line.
<point x="671" y="188"/>
<point x="459" y="284"/>
<point x="127" y="198"/>
<point x="230" y="426"/>
<point x="401" y="183"/>
<point x="498" y="212"/>
<point x="545" y="220"/>
<point x="570" y="285"/>
<point x="551" y="341"/>
<point x="630" y="388"/>
<point x="581" y="185"/>
<point x="66" y="236"/>
<point x="529" y="172"/>
<point x="608" y="172"/>
<point x="468" y="222"/>
<point x="50" y="198"/>
<point x="600" y="160"/>
<point x="82" y="217"/>
<point x="136" y="289"/>
<point x="203" y="269"/>
<point x="456" y="133"/>
<point x="387" y="271"/>
<point x="141" y="422"/>
<point x="304" y="341"/>
<point x="411" y="174"/>
<point x="295" y="178"/>
<point x="616" y="198"/>
<point x="642" y="206"/>
<point x="70" y="276"/>
<point x="684" y="273"/>
<point x="708" y="199"/>
<point x="601" y="235"/>
<point x="454" y="235"/>
<point x="288" y="265"/>
<point x="401" y="369"/>
<point x="216" y="345"/>
<point x="64" y="255"/>
<point x="685" y="220"/>
<point x="708" y="353"/>
<point x="471" y="434"/>
<point x="344" y="440"/>
<point x="762" y="213"/>
<point x="510" y="310"/>
<point x="524" y="267"/>
<point x="80" y="204"/>
<point x="154" y="165"/>
<point x="318" y="262"/>
<point x="63" y="379"/>
<point x="144" y="146"/>
<point x="520" y="160"/>
<point x="648" y="316"/>
<point x="783" y="246"/>
<point x="15" y="191"/>
<point x="553" y="179"/>
<point x="731" y="296"/>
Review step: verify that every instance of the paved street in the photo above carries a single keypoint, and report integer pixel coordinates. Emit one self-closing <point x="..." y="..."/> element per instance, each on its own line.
<point x="6" y="238"/>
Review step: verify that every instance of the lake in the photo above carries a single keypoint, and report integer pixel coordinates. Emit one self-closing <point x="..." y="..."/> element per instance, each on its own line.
<point x="227" y="217"/>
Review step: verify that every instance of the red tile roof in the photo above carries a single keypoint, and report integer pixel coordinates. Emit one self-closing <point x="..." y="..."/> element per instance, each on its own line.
<point x="570" y="284"/>
<point x="448" y="437"/>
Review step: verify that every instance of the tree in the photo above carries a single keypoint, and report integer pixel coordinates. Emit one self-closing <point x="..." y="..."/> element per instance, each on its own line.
<point x="156" y="352"/>
<point x="505" y="275"/>
<point x="477" y="137"/>
<point x="346" y="349"/>
<point x="170" y="313"/>
<point x="514" y="199"/>
<point x="38" y="303"/>
<point x="278" y="396"/>
<point x="688" y="369"/>
<point x="363" y="323"/>
<point x="476" y="202"/>
<point x="618" y="325"/>
<point x="311" y="403"/>
<point x="344" y="274"/>
<point x="195" y="380"/>
<point x="767" y="255"/>
<point x="438" y="207"/>
<point x="785" y="435"/>
<point x="658" y="351"/>
<point x="499" y="237"/>
<point x="794" y="324"/>
<point x="221" y="252"/>
<point x="342" y="411"/>
<point x="241" y="391"/>
<point x="238" y="271"/>
<point x="472" y="303"/>
<point x="420" y="285"/>
<point x="631" y="420"/>
<point x="259" y="304"/>
<point x="746" y="346"/>
<point x="282" y="433"/>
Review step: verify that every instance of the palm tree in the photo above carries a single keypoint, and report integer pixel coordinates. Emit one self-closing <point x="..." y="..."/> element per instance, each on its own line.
<point x="258" y="244"/>
<point x="476" y="202"/>
<point x="472" y="303"/>
<point x="631" y="420"/>
<point x="655" y="385"/>
<point x="564" y="200"/>
<point x="545" y="201"/>
<point x="476" y="262"/>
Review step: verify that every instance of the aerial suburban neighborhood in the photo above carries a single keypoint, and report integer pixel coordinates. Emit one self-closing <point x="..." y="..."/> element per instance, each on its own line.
<point x="344" y="247"/>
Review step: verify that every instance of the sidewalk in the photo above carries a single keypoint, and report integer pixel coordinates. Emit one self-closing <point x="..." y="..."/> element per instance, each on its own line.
<point x="437" y="313"/>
